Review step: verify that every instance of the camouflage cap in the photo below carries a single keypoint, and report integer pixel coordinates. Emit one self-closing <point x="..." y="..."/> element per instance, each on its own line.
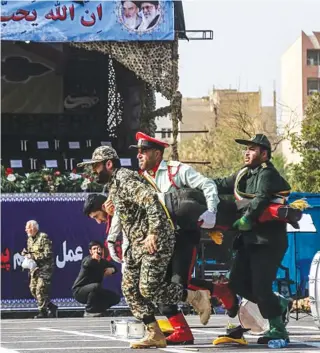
<point x="101" y="154"/>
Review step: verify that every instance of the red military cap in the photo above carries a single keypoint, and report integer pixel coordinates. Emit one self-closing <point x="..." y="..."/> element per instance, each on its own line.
<point x="146" y="141"/>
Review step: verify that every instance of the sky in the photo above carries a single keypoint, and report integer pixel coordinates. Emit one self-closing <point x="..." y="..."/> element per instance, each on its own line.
<point x="249" y="39"/>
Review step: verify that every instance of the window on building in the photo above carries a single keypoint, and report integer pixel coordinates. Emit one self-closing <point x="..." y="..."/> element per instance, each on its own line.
<point x="165" y="133"/>
<point x="313" y="85"/>
<point x="313" y="57"/>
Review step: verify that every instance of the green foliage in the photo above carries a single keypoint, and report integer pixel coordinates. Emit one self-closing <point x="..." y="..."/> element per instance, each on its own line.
<point x="305" y="176"/>
<point x="279" y="162"/>
<point x="47" y="180"/>
<point x="217" y="147"/>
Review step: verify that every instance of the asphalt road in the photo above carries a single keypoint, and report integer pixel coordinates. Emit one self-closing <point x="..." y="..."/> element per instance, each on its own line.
<point x="88" y="335"/>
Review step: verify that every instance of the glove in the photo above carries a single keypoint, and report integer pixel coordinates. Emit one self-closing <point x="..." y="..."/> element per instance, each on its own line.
<point x="28" y="264"/>
<point x="207" y="219"/>
<point x="242" y="224"/>
<point x="216" y="237"/>
<point x="113" y="254"/>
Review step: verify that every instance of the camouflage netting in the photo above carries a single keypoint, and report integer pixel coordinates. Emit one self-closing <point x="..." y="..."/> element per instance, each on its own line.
<point x="156" y="63"/>
<point x="147" y="121"/>
<point x="115" y="103"/>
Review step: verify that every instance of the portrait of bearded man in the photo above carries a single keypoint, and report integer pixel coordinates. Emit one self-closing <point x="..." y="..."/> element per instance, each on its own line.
<point x="130" y="14"/>
<point x="150" y="12"/>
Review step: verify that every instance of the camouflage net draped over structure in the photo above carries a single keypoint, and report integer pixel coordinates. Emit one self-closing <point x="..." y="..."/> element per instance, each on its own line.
<point x="156" y="63"/>
<point x="115" y="104"/>
<point x="147" y="121"/>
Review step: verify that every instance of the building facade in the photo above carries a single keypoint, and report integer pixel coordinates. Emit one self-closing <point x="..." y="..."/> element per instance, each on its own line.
<point x="220" y="107"/>
<point x="300" y="77"/>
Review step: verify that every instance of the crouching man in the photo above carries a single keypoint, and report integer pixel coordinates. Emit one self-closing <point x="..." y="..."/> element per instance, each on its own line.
<point x="87" y="288"/>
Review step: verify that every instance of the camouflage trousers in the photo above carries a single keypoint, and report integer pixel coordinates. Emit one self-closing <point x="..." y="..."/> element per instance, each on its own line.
<point x="144" y="282"/>
<point x="39" y="287"/>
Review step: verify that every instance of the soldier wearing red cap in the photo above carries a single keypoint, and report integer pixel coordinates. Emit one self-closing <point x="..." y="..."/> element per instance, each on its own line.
<point x="174" y="180"/>
<point x="151" y="244"/>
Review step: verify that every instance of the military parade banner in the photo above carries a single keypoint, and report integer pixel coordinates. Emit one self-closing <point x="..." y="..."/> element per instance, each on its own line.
<point x="61" y="217"/>
<point x="86" y="21"/>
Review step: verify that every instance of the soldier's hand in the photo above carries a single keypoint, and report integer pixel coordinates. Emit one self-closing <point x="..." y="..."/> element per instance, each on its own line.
<point x="109" y="207"/>
<point x="96" y="256"/>
<point x="24" y="252"/>
<point x="109" y="271"/>
<point x="207" y="220"/>
<point x="216" y="237"/>
<point x="113" y="253"/>
<point x="243" y="224"/>
<point x="150" y="243"/>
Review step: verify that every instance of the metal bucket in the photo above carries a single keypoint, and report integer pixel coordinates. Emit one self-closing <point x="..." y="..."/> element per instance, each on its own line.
<point x="130" y="328"/>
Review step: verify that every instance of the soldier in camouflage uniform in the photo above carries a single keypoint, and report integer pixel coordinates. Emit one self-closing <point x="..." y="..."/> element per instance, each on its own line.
<point x="151" y="244"/>
<point x="39" y="248"/>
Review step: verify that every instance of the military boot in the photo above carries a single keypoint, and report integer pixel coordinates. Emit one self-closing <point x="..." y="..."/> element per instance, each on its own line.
<point x="53" y="310"/>
<point x="154" y="338"/>
<point x="43" y="314"/>
<point x="233" y="311"/>
<point x="277" y="331"/>
<point x="201" y="302"/>
<point x="286" y="306"/>
<point x="182" y="333"/>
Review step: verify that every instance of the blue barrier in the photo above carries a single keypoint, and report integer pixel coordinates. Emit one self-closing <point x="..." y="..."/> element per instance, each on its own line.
<point x="307" y="244"/>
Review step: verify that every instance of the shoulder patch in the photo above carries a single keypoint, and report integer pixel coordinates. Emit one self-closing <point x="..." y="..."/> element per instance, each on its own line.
<point x="264" y="165"/>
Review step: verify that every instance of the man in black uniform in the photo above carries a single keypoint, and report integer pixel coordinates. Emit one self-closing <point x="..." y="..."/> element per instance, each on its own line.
<point x="87" y="288"/>
<point x="260" y="246"/>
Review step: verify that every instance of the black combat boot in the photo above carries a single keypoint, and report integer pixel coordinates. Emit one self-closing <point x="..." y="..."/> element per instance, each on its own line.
<point x="233" y="311"/>
<point x="53" y="310"/>
<point x="43" y="314"/>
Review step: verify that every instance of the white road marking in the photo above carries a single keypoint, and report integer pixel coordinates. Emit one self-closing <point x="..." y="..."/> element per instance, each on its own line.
<point x="180" y="350"/>
<point x="3" y="329"/>
<point x="31" y="336"/>
<point x="247" y="335"/>
<point x="45" y="349"/>
<point x="55" y="341"/>
<point x="106" y="331"/>
<point x="78" y="333"/>
<point x="113" y="338"/>
<point x="184" y="349"/>
<point x="313" y="344"/>
<point x="303" y="327"/>
<point x="7" y="350"/>
<point x="308" y="343"/>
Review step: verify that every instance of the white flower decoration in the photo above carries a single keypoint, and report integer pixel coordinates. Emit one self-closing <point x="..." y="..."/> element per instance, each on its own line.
<point x="11" y="177"/>
<point x="84" y="185"/>
<point x="74" y="176"/>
